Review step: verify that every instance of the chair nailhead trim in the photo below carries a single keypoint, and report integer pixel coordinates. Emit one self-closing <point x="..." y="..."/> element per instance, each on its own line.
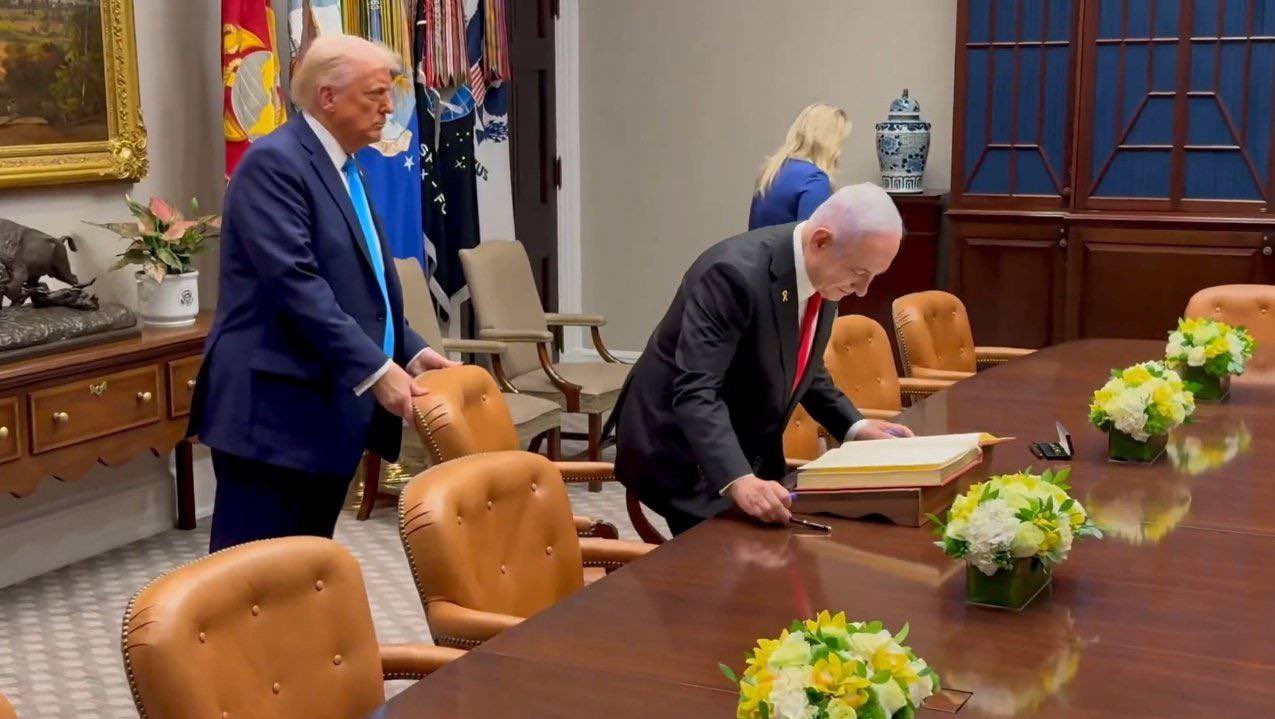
<point x="336" y="660"/>
<point x="203" y="638"/>
<point x="318" y="586"/>
<point x="256" y="610"/>
<point x="276" y="688"/>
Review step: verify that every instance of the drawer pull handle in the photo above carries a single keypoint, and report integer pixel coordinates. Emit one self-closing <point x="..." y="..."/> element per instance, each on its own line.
<point x="145" y="396"/>
<point x="190" y="385"/>
<point x="4" y="432"/>
<point x="61" y="417"/>
<point x="98" y="389"/>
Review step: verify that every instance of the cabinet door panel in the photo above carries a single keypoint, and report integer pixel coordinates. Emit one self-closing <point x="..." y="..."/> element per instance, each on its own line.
<point x="1011" y="280"/>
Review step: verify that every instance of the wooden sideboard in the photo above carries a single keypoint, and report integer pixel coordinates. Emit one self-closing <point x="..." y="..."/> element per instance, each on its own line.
<point x="63" y="413"/>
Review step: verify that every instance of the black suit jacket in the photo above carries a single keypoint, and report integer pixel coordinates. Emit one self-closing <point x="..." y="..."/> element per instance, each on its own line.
<point x="710" y="397"/>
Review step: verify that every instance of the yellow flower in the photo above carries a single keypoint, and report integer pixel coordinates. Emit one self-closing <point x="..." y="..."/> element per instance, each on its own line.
<point x="761" y="655"/>
<point x="1217" y="347"/>
<point x="838" y="678"/>
<point x="751" y="697"/>
<point x="1136" y="375"/>
<point x="841" y="709"/>
<point x="824" y="620"/>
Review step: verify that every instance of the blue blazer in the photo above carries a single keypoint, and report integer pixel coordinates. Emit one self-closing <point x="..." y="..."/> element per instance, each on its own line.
<point x="798" y="189"/>
<point x="299" y="318"/>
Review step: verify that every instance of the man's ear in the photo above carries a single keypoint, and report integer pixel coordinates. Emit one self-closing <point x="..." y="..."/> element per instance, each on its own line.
<point x="820" y="238"/>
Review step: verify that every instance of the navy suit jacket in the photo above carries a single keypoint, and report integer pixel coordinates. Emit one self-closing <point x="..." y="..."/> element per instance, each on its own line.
<point x="799" y="187"/>
<point x="299" y="319"/>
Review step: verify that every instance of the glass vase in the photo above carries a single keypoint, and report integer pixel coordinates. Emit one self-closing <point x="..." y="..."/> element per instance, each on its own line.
<point x="1206" y="387"/>
<point x="1007" y="588"/>
<point x="1123" y="448"/>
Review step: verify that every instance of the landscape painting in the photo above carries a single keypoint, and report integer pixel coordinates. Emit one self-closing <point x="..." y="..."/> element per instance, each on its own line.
<point x="52" y="72"/>
<point x="70" y="110"/>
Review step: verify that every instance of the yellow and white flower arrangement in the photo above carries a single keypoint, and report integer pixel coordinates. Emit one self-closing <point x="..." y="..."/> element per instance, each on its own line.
<point x="1142" y="401"/>
<point x="1214" y="347"/>
<point x="1014" y="516"/>
<point x="829" y="668"/>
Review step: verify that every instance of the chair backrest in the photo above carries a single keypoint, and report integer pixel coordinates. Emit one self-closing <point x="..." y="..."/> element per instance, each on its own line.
<point x="801" y="436"/>
<point x="491" y="532"/>
<point x="279" y="628"/>
<point x="418" y="308"/>
<point x="1248" y="306"/>
<point x="861" y="363"/>
<point x="505" y="297"/>
<point x="933" y="331"/>
<point x="463" y="413"/>
<point x="6" y="710"/>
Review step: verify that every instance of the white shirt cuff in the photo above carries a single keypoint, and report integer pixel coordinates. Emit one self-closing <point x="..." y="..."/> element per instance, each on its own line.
<point x="854" y="429"/>
<point x="375" y="377"/>
<point x="728" y="484"/>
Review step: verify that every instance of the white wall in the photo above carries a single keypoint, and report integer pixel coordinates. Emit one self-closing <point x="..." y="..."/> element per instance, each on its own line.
<point x="679" y="102"/>
<point x="179" y="46"/>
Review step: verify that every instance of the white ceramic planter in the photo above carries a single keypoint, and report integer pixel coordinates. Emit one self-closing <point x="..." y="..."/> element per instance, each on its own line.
<point x="171" y="303"/>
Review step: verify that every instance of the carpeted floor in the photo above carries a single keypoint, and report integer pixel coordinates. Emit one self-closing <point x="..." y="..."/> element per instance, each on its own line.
<point x="59" y="633"/>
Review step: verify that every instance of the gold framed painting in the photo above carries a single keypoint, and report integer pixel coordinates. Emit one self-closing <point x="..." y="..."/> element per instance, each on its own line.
<point x="70" y="108"/>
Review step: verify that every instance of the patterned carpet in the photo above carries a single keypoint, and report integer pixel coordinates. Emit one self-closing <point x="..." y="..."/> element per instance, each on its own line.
<point x="59" y="633"/>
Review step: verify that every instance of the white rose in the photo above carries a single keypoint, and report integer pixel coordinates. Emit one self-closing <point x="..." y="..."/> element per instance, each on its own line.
<point x="865" y="644"/>
<point x="1206" y="333"/>
<point x="923" y="686"/>
<point x="1027" y="540"/>
<point x="791" y="705"/>
<point x="990" y="530"/>
<point x="1176" y="345"/>
<point x="1195" y="356"/>
<point x="792" y="652"/>
<point x="890" y="696"/>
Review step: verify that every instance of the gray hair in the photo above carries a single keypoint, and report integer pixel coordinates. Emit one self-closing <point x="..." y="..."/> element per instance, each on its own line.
<point x="331" y="61"/>
<point x="858" y="211"/>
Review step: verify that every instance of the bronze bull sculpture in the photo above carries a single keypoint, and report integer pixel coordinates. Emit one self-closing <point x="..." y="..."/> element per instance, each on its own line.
<point x="26" y="255"/>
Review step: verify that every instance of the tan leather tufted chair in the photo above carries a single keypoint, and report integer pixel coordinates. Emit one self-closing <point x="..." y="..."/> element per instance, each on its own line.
<point x="490" y="542"/>
<point x="6" y="710"/>
<point x="1249" y="306"/>
<point x="278" y="628"/>
<point x="861" y="364"/>
<point x="464" y="413"/>
<point x="935" y="340"/>
<point x="508" y="309"/>
<point x="802" y="438"/>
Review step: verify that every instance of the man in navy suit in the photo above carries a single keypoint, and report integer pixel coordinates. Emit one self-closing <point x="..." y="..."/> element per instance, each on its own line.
<point x="309" y="361"/>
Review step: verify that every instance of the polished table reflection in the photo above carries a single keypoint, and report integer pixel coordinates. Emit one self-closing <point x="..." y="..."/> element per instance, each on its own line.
<point x="1168" y="616"/>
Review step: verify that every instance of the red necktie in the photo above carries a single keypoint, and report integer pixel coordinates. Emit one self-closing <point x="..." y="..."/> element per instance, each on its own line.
<point x="807" y="337"/>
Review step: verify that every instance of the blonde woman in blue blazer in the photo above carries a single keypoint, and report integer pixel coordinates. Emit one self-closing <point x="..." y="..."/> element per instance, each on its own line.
<point x="797" y="177"/>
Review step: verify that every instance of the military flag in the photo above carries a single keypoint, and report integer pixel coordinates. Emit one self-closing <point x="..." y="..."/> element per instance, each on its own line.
<point x="252" y="105"/>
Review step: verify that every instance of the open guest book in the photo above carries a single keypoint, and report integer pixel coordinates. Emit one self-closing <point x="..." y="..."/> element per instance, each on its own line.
<point x="895" y="463"/>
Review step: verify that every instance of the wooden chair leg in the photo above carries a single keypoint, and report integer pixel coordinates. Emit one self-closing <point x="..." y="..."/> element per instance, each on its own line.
<point x="536" y="441"/>
<point x="554" y="451"/>
<point x="641" y="524"/>
<point x="595" y="446"/>
<point x="371" y="484"/>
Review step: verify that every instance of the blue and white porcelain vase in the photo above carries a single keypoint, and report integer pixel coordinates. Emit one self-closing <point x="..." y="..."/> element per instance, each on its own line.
<point x="903" y="144"/>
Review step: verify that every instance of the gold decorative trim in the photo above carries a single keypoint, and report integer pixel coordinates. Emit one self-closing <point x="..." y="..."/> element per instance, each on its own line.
<point x="122" y="156"/>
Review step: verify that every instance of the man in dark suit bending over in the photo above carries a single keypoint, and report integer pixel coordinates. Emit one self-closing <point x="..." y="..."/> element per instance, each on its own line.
<point x="700" y="423"/>
<point x="309" y="360"/>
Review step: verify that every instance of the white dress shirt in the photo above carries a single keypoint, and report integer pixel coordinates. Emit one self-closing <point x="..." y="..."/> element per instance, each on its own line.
<point x="339" y="157"/>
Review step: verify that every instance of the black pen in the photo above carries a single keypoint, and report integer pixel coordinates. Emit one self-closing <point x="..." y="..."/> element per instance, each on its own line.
<point x="811" y="525"/>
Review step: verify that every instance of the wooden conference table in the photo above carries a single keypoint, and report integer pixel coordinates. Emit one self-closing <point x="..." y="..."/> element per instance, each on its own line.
<point x="1168" y="616"/>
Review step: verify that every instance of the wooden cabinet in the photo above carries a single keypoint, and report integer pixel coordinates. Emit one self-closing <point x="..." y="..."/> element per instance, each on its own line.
<point x="1139" y="131"/>
<point x="10" y="438"/>
<point x="1011" y="278"/>
<point x="1135" y="283"/>
<point x="181" y="384"/>
<point x="104" y="404"/>
<point x="93" y="407"/>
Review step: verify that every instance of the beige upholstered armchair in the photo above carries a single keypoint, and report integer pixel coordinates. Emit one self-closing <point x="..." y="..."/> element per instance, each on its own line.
<point x="278" y="628"/>
<point x="490" y="541"/>
<point x="935" y="340"/>
<point x="508" y="310"/>
<point x="536" y="420"/>
<point x="1249" y="306"/>
<point x="6" y="710"/>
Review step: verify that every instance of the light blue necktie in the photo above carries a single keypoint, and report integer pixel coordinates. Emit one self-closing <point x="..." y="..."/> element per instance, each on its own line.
<point x="364" y="212"/>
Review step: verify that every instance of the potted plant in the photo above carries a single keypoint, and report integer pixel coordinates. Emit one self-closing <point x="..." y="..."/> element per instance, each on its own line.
<point x="831" y="668"/>
<point x="1137" y="407"/>
<point x="1207" y="353"/>
<point x="164" y="244"/>
<point x="1011" y="530"/>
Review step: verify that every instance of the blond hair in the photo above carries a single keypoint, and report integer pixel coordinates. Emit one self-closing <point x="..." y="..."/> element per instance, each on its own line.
<point x="815" y="136"/>
<point x="331" y="61"/>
